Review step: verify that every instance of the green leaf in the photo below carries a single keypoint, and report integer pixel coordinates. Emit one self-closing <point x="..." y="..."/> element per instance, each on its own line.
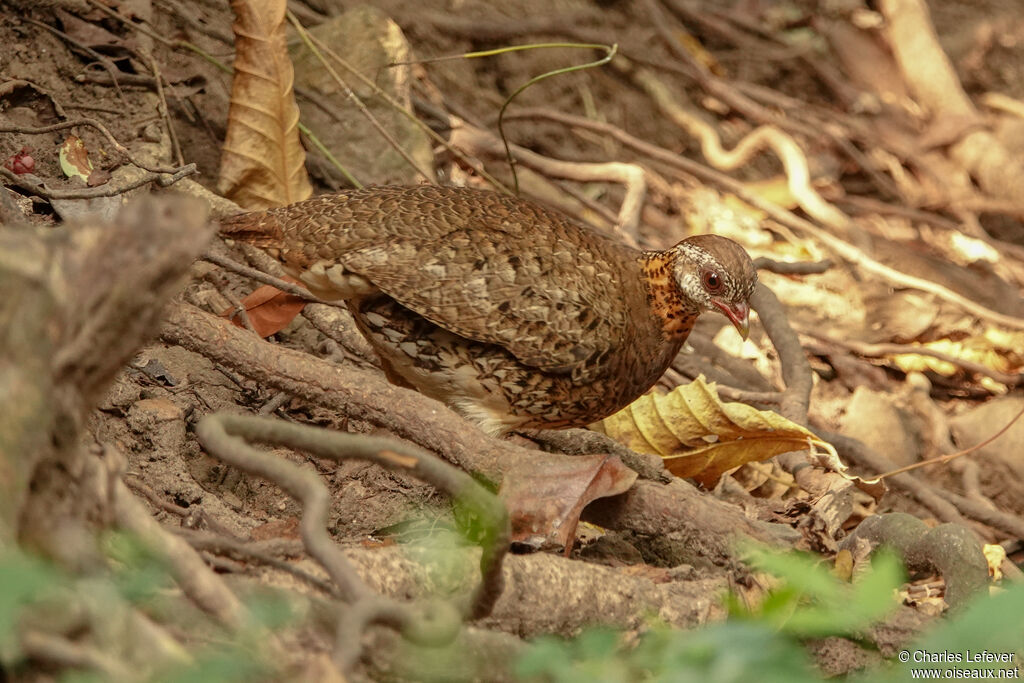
<point x="802" y="571"/>
<point x="23" y="580"/>
<point x="814" y="603"/>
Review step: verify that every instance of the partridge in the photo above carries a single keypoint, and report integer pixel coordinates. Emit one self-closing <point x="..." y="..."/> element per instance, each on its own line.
<point x="513" y="314"/>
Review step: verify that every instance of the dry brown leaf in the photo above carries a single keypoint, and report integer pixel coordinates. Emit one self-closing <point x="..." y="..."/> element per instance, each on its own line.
<point x="88" y="33"/>
<point x="276" y="528"/>
<point x="843" y="567"/>
<point x="699" y="436"/>
<point x="98" y="177"/>
<point x="263" y="162"/>
<point x="74" y="159"/>
<point x="829" y="460"/>
<point x="544" y="504"/>
<point x="269" y="310"/>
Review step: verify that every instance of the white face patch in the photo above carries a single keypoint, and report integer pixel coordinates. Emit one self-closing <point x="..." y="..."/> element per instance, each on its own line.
<point x="688" y="272"/>
<point x="689" y="269"/>
<point x="690" y="283"/>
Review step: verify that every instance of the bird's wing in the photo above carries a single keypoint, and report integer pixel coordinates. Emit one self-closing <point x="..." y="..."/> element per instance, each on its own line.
<point x="554" y="304"/>
<point x="483" y="265"/>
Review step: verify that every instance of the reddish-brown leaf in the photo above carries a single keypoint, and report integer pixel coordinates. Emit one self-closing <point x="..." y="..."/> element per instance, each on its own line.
<point x="269" y="310"/>
<point x="276" y="528"/>
<point x="545" y="504"/>
<point x="21" y="162"/>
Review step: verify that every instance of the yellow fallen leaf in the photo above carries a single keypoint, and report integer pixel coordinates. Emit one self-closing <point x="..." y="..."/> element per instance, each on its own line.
<point x="699" y="436"/>
<point x="995" y="555"/>
<point x="994" y="350"/>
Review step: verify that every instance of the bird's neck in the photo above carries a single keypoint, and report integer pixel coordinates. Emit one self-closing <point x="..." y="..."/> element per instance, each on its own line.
<point x="670" y="306"/>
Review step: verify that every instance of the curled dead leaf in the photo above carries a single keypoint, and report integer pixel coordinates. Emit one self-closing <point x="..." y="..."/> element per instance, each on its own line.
<point x="995" y="555"/>
<point x="699" y="436"/>
<point x="544" y="504"/>
<point x="829" y="460"/>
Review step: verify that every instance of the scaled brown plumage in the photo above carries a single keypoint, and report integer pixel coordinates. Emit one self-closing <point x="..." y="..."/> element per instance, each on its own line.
<point x="513" y="314"/>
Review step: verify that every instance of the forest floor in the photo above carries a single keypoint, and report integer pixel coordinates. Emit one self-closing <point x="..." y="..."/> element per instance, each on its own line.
<point x="911" y="333"/>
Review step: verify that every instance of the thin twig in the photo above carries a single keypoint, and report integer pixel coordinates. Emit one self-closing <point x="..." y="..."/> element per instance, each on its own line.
<point x="314" y="45"/>
<point x="175" y="8"/>
<point x="205" y="588"/>
<point x="173" y="44"/>
<point x="265" y="278"/>
<point x="792" y="267"/>
<point x="856" y="452"/>
<point x="475" y="140"/>
<point x="275" y="402"/>
<point x="131" y="24"/>
<point x="409" y="114"/>
<point x="162" y="106"/>
<point x="108" y="190"/>
<point x="942" y="459"/>
<point x="215" y="543"/>
<point x="102" y="59"/>
<point x="92" y="123"/>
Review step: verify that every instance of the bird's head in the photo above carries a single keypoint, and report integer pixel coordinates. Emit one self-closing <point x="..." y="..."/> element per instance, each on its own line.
<point x="716" y="274"/>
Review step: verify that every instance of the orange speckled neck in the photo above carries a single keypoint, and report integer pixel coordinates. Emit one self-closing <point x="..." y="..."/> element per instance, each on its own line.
<point x="668" y="303"/>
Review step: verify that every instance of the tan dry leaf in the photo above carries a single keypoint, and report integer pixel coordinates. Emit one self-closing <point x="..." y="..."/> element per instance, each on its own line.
<point x="699" y="436"/>
<point x="262" y="163"/>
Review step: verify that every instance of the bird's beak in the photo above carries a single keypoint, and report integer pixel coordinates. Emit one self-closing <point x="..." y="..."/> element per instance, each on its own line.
<point x="738" y="313"/>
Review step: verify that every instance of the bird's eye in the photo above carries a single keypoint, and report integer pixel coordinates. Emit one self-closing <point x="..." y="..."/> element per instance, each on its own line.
<point x="712" y="281"/>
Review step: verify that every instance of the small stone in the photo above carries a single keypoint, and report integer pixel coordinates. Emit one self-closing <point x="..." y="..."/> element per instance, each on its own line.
<point x="979" y="424"/>
<point x="873" y="417"/>
<point x="157" y="410"/>
<point x="161" y="423"/>
<point x="122" y="394"/>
